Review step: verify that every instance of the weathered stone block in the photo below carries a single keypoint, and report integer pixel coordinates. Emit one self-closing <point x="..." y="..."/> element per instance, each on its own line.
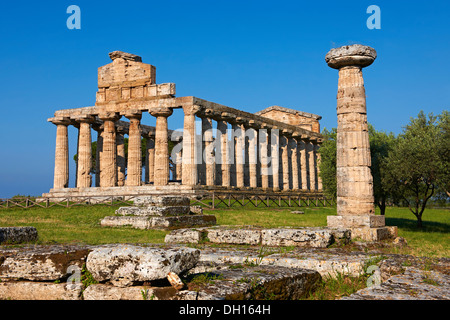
<point x="234" y="236"/>
<point x="155" y="222"/>
<point x="314" y="237"/>
<point x="374" y="234"/>
<point x="184" y="236"/>
<point x="125" y="264"/>
<point x="161" y="201"/>
<point x="42" y="263"/>
<point x="108" y="292"/>
<point x="353" y="221"/>
<point x="18" y="234"/>
<point x="154" y="211"/>
<point x="39" y="291"/>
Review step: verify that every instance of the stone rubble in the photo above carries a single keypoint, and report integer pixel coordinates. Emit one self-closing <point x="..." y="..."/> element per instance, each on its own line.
<point x="18" y="234"/>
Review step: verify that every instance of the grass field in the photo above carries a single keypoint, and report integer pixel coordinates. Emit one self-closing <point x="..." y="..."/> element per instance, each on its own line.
<point x="81" y="225"/>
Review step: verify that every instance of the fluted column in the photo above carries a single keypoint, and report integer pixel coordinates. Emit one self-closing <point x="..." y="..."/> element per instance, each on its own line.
<point x="134" y="165"/>
<point x="303" y="164"/>
<point x="150" y="159"/>
<point x="293" y="146"/>
<point x="222" y="136"/>
<point x="285" y="161"/>
<point x="263" y="139"/>
<point x="312" y="165"/>
<point x="189" y="160"/>
<point x="239" y="152"/>
<point x="161" y="145"/>
<point x="319" y="179"/>
<point x="120" y="155"/>
<point x="99" y="128"/>
<point x="251" y="133"/>
<point x="84" y="158"/>
<point x="61" y="177"/>
<point x="354" y="179"/>
<point x="275" y="158"/>
<point x="108" y="166"/>
<point x="208" y="156"/>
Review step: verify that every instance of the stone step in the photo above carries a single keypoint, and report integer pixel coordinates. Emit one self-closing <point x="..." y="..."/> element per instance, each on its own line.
<point x="18" y="234"/>
<point x="312" y="237"/>
<point x="153" y="222"/>
<point x="161" y="201"/>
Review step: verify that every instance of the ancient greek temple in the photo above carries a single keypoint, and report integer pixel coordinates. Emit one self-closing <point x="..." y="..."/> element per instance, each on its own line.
<point x="218" y="147"/>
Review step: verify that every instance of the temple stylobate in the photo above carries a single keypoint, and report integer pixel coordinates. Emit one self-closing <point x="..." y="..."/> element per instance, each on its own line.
<point x="218" y="147"/>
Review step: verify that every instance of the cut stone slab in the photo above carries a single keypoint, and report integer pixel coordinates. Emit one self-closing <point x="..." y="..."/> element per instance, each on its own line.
<point x="161" y="201"/>
<point x="125" y="264"/>
<point x="154" y="211"/>
<point x="260" y="282"/>
<point x="18" y="234"/>
<point x="374" y="234"/>
<point x="108" y="292"/>
<point x="355" y="221"/>
<point x="312" y="237"/>
<point x="39" y="291"/>
<point x="41" y="263"/>
<point x="153" y="222"/>
<point x="413" y="284"/>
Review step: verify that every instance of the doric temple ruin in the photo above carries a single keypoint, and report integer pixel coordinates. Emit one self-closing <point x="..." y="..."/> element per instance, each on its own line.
<point x="219" y="148"/>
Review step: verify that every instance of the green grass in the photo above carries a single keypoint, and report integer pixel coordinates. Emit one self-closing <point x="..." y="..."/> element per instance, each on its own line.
<point x="81" y="224"/>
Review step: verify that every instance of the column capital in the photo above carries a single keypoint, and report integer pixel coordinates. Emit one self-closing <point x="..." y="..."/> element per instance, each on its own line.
<point x="132" y="114"/>
<point x="109" y="116"/>
<point x="192" y="109"/>
<point x="161" y="112"/>
<point x="355" y="55"/>
<point x="65" y="121"/>
<point x="228" y="117"/>
<point x="84" y="119"/>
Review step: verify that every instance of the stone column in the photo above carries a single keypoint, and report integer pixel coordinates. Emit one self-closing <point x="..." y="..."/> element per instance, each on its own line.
<point x="251" y="133"/>
<point x="150" y="158"/>
<point x="61" y="177"/>
<point x="355" y="201"/>
<point x="263" y="138"/>
<point x="99" y="128"/>
<point x="161" y="145"/>
<point x="222" y="136"/>
<point x="319" y="179"/>
<point x="285" y="161"/>
<point x="177" y="138"/>
<point x="275" y="158"/>
<point x="310" y="149"/>
<point x="208" y="156"/>
<point x="189" y="160"/>
<point x="294" y="163"/>
<point x="134" y="166"/>
<point x="84" y="158"/>
<point x="120" y="155"/>
<point x="239" y="152"/>
<point x="108" y="169"/>
<point x="303" y="163"/>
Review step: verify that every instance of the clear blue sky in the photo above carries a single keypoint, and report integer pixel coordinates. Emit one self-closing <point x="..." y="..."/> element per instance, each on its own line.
<point x="244" y="54"/>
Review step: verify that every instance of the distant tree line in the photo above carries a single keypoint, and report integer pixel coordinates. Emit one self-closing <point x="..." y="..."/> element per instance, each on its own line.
<point x="408" y="169"/>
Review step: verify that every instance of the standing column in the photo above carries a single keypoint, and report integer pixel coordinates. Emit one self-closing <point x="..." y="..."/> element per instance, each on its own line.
<point x="177" y="138"/>
<point x="99" y="147"/>
<point x="223" y="140"/>
<point x="239" y="152"/>
<point x="134" y="166"/>
<point x="355" y="200"/>
<point x="275" y="158"/>
<point x="208" y="156"/>
<point x="150" y="158"/>
<point x="252" y="156"/>
<point x="312" y="165"/>
<point x="294" y="163"/>
<point x="120" y="155"/>
<point x="285" y="161"/>
<point x="108" y="169"/>
<point x="354" y="179"/>
<point x="319" y="179"/>
<point x="189" y="160"/>
<point x="161" y="145"/>
<point x="61" y="177"/>
<point x="263" y="138"/>
<point x="303" y="163"/>
<point x="84" y="157"/>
